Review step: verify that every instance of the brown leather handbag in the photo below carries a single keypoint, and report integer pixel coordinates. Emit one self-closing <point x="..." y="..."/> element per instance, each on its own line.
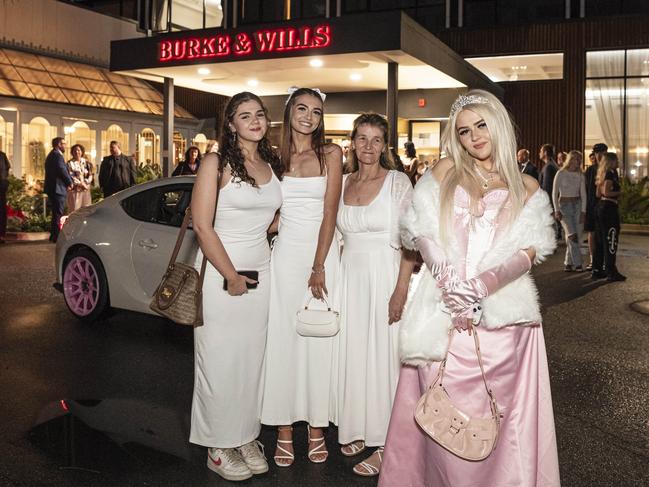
<point x="467" y="437"/>
<point x="179" y="295"/>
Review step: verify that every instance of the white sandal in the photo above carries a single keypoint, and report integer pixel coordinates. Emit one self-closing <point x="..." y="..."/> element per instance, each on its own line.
<point x="321" y="449"/>
<point x="286" y="454"/>
<point x="365" y="469"/>
<point x="354" y="448"/>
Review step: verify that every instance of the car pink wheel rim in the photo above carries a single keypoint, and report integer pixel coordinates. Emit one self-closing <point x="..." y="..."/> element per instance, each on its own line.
<point x="81" y="286"/>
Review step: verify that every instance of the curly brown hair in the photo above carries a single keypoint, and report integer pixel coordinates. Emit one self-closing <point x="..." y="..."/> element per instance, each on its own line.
<point x="231" y="154"/>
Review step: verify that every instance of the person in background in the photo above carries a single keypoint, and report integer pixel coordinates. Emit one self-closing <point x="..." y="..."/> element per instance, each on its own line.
<point x="591" y="158"/>
<point x="345" y="148"/>
<point x="569" y="199"/>
<point x="304" y="265"/>
<point x="561" y="159"/>
<point x="608" y="219"/>
<point x="229" y="348"/>
<point x="117" y="171"/>
<point x="590" y="221"/>
<point x="410" y="161"/>
<point x="212" y="146"/>
<point x="81" y="172"/>
<point x="420" y="169"/>
<point x="57" y="184"/>
<point x="526" y="166"/>
<point x="4" y="186"/>
<point x="375" y="274"/>
<point x="189" y="166"/>
<point x="479" y="225"/>
<point x="546" y="179"/>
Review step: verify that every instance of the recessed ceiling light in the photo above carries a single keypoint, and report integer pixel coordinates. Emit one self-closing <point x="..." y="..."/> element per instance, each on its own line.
<point x="316" y="63"/>
<point x="203" y="71"/>
<point x="355" y="77"/>
<point x="253" y="82"/>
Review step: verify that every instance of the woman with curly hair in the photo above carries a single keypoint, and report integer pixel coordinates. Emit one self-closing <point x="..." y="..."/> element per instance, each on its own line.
<point x="229" y="347"/>
<point x="189" y="166"/>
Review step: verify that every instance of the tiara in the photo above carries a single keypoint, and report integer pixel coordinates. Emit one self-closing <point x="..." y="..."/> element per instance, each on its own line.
<point x="464" y="100"/>
<point x="293" y="89"/>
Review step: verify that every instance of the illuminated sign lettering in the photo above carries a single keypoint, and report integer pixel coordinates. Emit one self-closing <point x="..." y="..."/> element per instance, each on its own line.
<point x="244" y="44"/>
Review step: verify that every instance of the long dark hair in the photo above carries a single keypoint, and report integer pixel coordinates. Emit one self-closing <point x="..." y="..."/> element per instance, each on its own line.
<point x="188" y="152"/>
<point x="410" y="149"/>
<point x="375" y="120"/>
<point x="231" y="153"/>
<point x="317" y="137"/>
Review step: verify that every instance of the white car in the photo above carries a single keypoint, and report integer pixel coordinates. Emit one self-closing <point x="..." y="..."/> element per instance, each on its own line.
<point x="114" y="253"/>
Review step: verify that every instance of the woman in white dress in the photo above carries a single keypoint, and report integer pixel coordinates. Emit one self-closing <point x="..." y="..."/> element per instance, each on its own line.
<point x="229" y="347"/>
<point x="81" y="173"/>
<point x="375" y="274"/>
<point x="304" y="264"/>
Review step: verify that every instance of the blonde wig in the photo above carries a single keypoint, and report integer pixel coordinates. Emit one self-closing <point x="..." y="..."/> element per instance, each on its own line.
<point x="573" y="155"/>
<point x="464" y="171"/>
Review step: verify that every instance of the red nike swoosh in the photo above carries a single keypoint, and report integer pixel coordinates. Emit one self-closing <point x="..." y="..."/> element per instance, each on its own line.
<point x="216" y="462"/>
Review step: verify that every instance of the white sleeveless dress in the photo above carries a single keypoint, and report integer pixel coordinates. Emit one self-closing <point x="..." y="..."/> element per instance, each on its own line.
<point x="229" y="347"/>
<point x="298" y="369"/>
<point x="369" y="359"/>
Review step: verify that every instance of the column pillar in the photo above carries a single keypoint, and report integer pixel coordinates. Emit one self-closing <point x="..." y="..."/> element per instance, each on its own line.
<point x="392" y="102"/>
<point x="168" y="127"/>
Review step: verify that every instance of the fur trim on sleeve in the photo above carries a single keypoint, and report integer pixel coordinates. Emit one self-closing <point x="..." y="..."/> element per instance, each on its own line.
<point x="533" y="227"/>
<point x="422" y="217"/>
<point x="424" y="329"/>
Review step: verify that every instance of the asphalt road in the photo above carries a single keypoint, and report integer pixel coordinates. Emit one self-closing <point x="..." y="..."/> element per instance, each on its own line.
<point x="127" y="382"/>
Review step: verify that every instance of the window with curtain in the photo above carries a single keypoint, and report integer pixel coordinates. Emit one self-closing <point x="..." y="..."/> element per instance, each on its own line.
<point x="617" y="106"/>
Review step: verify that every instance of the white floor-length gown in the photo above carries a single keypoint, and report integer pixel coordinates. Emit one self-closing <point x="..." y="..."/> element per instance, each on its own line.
<point x="368" y="358"/>
<point x="299" y="370"/>
<point x="229" y="347"/>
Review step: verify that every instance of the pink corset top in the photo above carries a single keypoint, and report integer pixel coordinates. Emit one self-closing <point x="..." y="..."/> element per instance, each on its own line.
<point x="476" y="229"/>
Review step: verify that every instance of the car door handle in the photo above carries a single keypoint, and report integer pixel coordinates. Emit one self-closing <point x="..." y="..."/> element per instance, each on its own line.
<point x="148" y="244"/>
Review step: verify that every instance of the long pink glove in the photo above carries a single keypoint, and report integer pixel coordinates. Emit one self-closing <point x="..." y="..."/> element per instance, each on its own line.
<point x="459" y="296"/>
<point x="435" y="260"/>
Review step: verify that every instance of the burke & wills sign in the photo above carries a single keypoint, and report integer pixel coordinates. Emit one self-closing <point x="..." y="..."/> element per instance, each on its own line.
<point x="245" y="43"/>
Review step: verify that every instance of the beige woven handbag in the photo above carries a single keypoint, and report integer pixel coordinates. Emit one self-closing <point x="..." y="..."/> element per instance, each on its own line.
<point x="467" y="437"/>
<point x="179" y="295"/>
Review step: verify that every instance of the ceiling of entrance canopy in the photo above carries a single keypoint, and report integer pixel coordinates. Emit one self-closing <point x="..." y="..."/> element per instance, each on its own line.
<point x="339" y="72"/>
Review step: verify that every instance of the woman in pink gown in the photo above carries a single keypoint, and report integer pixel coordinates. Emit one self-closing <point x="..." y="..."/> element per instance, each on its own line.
<point x="479" y="225"/>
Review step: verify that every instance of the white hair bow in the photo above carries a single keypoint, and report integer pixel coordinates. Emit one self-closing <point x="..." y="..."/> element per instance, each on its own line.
<point x="293" y="89"/>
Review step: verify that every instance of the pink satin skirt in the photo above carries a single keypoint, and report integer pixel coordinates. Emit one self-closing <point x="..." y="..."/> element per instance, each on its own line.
<point x="516" y="368"/>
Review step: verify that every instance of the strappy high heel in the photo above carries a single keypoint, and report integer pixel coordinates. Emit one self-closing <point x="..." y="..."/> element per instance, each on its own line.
<point x="354" y="448"/>
<point x="319" y="449"/>
<point x="365" y="469"/>
<point x="286" y="455"/>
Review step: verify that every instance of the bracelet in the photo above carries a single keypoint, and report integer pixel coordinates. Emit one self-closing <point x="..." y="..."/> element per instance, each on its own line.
<point x="317" y="269"/>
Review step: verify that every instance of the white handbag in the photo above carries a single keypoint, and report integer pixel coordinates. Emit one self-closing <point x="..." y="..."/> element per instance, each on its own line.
<point x="317" y="322"/>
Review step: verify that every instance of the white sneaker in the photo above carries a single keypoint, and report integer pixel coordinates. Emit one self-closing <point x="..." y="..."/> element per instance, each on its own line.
<point x="227" y="462"/>
<point x="254" y="457"/>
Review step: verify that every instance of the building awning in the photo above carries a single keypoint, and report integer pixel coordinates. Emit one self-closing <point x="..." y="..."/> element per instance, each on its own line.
<point x="44" y="78"/>
<point x="349" y="53"/>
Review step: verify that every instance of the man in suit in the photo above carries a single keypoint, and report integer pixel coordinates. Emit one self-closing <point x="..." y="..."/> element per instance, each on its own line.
<point x="546" y="179"/>
<point x="57" y="183"/>
<point x="117" y="171"/>
<point x="523" y="158"/>
<point x="4" y="186"/>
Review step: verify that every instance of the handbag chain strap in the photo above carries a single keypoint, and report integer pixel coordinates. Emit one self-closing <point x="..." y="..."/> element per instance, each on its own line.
<point x="476" y="341"/>
<point x="183" y="229"/>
